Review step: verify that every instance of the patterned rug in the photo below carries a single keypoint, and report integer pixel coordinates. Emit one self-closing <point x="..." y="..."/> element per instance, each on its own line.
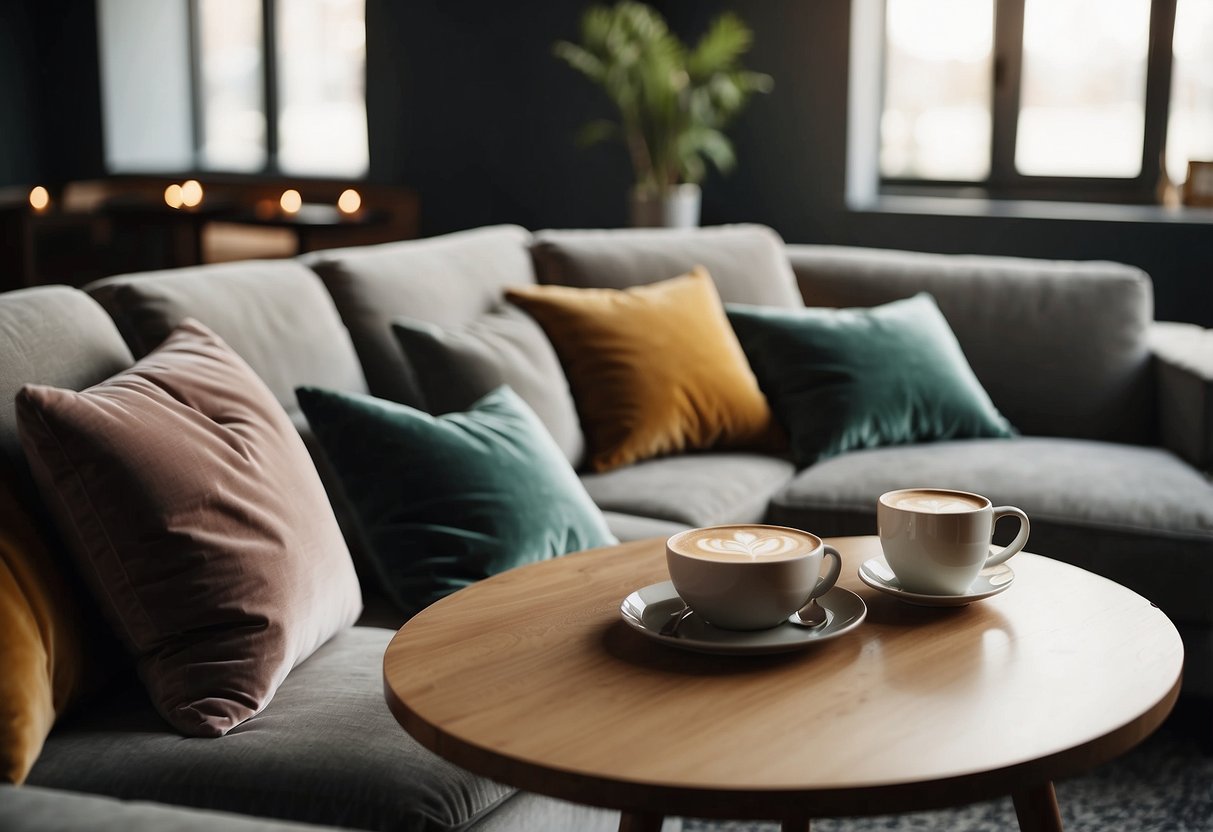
<point x="1163" y="785"/>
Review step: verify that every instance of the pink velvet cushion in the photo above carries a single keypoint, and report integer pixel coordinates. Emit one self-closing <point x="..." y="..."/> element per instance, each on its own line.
<point x="198" y="518"/>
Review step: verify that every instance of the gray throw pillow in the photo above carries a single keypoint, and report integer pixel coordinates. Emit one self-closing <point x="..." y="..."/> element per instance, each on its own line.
<point x="457" y="366"/>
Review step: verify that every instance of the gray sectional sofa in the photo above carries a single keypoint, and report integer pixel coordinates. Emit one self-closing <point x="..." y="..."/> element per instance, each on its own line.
<point x="1115" y="411"/>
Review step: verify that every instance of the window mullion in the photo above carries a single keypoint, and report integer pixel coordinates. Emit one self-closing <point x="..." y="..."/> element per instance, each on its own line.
<point x="1158" y="87"/>
<point x="270" y="76"/>
<point x="1008" y="67"/>
<point x="197" y="111"/>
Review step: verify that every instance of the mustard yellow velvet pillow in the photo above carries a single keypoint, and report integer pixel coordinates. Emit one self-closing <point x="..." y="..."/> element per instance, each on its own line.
<point x="42" y="666"/>
<point x="654" y="369"/>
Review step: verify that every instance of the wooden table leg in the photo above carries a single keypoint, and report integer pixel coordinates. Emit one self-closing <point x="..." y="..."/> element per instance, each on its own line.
<point x="795" y="825"/>
<point x="640" y="822"/>
<point x="1037" y="809"/>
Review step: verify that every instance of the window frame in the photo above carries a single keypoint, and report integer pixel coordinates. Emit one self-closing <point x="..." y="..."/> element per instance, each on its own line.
<point x="269" y="98"/>
<point x="1004" y="180"/>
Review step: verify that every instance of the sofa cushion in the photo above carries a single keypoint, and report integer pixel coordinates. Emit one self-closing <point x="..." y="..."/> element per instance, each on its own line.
<point x="654" y="369"/>
<point x="32" y="809"/>
<point x="195" y="513"/>
<point x="46" y="666"/>
<point x="1139" y="516"/>
<point x="444" y="501"/>
<point x="629" y="527"/>
<point x="50" y="335"/>
<point x="447" y="281"/>
<point x="842" y="379"/>
<point x="693" y="489"/>
<point x="1061" y="347"/>
<point x="275" y="314"/>
<point x="457" y="365"/>
<point x="747" y="262"/>
<point x="325" y="751"/>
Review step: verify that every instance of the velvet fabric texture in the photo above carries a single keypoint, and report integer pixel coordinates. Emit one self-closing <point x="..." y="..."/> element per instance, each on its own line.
<point x="654" y="369"/>
<point x="198" y="518"/>
<point x="458" y="365"/>
<point x="842" y="379"/>
<point x="448" y="500"/>
<point x="42" y="649"/>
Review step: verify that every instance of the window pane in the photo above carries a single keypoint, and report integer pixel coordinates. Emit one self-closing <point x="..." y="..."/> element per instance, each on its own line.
<point x="1190" y="130"/>
<point x="1083" y="93"/>
<point x="322" y="87"/>
<point x="233" y="104"/>
<point x="937" y="89"/>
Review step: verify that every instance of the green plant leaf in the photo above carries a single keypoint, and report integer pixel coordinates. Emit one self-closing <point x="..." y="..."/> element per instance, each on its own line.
<point x="719" y="49"/>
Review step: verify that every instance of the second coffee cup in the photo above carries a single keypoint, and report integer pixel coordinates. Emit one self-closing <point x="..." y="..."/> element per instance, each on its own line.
<point x="749" y="577"/>
<point x="936" y="540"/>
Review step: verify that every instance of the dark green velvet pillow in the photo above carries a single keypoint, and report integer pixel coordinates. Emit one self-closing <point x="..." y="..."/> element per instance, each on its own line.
<point x="841" y="379"/>
<point x="445" y="501"/>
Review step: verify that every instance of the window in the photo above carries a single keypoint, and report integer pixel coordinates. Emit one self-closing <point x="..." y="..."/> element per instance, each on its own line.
<point x="1070" y="99"/>
<point x="277" y="86"/>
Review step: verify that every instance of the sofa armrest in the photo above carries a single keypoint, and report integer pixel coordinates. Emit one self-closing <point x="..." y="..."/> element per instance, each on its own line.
<point x="1183" y="354"/>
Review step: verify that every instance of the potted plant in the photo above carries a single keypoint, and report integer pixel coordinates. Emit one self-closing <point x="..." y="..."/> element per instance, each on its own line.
<point x="673" y="102"/>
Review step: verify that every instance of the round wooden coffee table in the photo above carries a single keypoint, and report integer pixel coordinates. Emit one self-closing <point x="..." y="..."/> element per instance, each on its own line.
<point x="532" y="679"/>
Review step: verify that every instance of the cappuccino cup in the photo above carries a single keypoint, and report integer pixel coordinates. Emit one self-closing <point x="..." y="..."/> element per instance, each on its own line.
<point x="749" y="577"/>
<point x="936" y="540"/>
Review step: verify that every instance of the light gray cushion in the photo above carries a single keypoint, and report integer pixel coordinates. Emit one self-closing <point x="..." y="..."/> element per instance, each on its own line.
<point x="693" y="489"/>
<point x="747" y="262"/>
<point x="51" y="335"/>
<point x="275" y="314"/>
<point x="525" y="812"/>
<point x="1139" y="516"/>
<point x="1061" y="347"/>
<point x="30" y="809"/>
<point x="457" y="366"/>
<point x="1184" y="358"/>
<point x="326" y="750"/>
<point x="628" y="527"/>
<point x="446" y="281"/>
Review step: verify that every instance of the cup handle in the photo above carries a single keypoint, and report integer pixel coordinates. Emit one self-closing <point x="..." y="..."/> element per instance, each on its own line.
<point x="826" y="583"/>
<point x="1020" y="540"/>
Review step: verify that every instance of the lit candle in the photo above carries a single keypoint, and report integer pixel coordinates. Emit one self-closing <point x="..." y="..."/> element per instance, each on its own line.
<point x="39" y="198"/>
<point x="291" y="202"/>
<point x="191" y="193"/>
<point x="173" y="197"/>
<point x="349" y="202"/>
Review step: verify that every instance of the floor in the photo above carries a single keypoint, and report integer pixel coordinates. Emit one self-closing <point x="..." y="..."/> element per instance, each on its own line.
<point x="1163" y="785"/>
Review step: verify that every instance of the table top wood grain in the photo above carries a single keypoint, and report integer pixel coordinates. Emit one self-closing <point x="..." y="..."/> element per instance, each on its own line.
<point x="532" y="679"/>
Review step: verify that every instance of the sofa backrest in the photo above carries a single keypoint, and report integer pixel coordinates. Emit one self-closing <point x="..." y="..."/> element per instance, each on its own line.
<point x="50" y="335"/>
<point x="746" y="262"/>
<point x="447" y="281"/>
<point x="1060" y="346"/>
<point x="275" y="314"/>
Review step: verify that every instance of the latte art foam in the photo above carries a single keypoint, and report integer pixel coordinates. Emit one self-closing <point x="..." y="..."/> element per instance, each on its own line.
<point x="741" y="544"/>
<point x="936" y="502"/>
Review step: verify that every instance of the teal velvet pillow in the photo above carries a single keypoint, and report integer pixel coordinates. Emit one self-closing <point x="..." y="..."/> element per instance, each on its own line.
<point x="841" y="379"/>
<point x="445" y="501"/>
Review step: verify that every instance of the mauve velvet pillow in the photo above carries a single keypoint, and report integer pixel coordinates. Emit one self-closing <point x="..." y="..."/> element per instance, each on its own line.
<point x="198" y="518"/>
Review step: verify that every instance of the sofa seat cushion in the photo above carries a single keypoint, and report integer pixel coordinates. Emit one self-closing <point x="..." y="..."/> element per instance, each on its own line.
<point x="629" y="527"/>
<point x="51" y="810"/>
<point x="326" y="750"/>
<point x="1137" y="515"/>
<point x="693" y="489"/>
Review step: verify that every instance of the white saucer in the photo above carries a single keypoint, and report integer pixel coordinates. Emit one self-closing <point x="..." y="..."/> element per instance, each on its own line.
<point x="876" y="573"/>
<point x="648" y="609"/>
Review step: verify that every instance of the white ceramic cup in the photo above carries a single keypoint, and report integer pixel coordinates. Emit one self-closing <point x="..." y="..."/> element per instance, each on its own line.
<point x="749" y="576"/>
<point x="936" y="540"/>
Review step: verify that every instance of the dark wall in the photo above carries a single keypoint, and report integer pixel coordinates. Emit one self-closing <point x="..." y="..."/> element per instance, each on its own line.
<point x="50" y="93"/>
<point x="467" y="105"/>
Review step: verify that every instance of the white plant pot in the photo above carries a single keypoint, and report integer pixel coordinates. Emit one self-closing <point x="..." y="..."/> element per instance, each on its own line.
<point x="679" y="208"/>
